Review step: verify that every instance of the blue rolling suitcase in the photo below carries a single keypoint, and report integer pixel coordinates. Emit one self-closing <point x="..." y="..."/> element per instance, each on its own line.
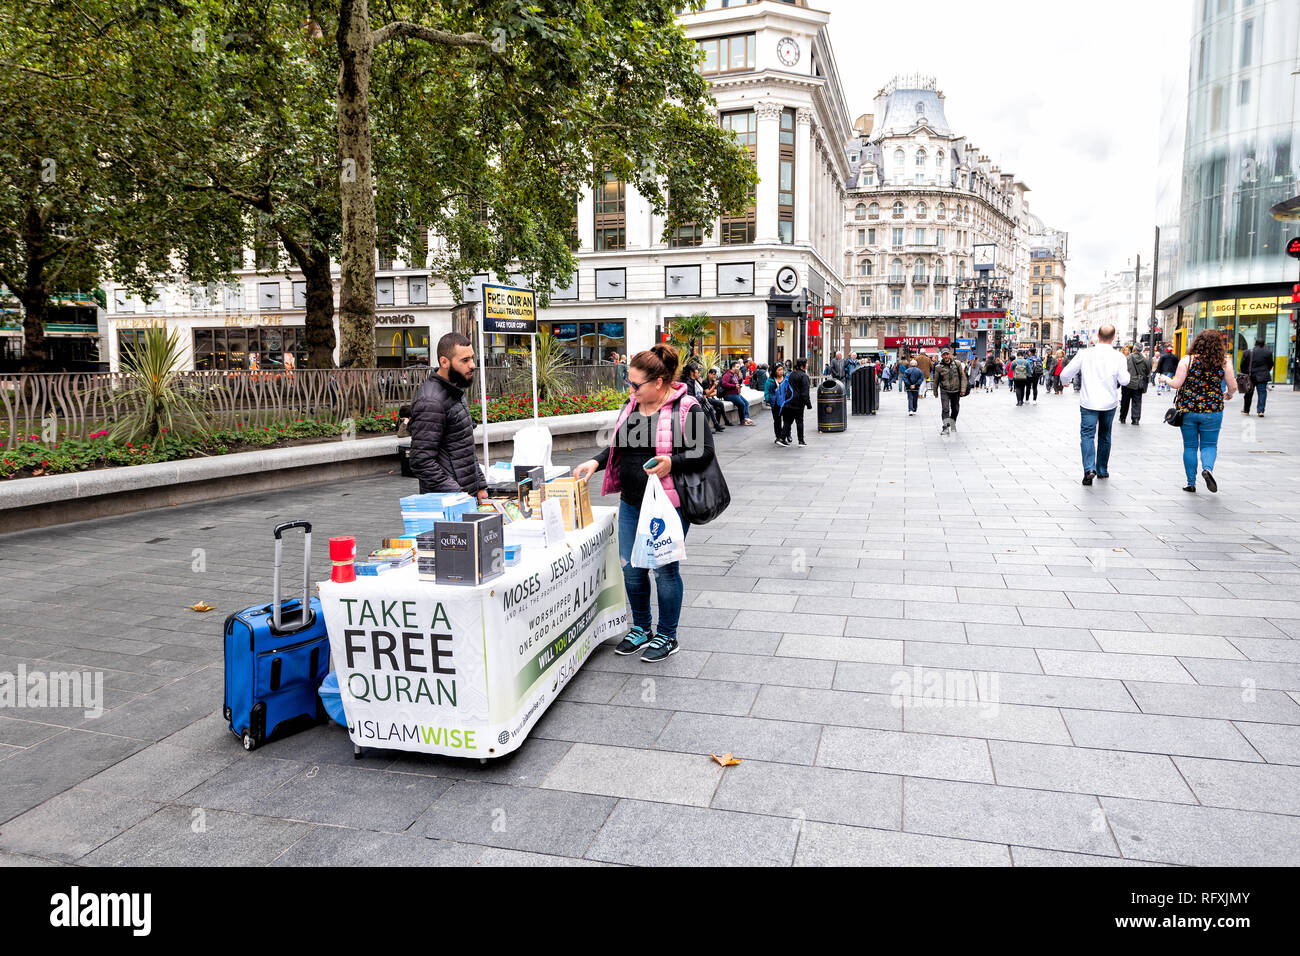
<point x="276" y="657"/>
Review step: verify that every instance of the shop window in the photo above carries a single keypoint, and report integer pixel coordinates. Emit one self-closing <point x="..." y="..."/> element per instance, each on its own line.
<point x="402" y="346"/>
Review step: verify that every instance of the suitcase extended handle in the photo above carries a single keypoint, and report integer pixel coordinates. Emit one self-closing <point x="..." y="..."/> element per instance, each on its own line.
<point x="306" y="571"/>
<point x="282" y="528"/>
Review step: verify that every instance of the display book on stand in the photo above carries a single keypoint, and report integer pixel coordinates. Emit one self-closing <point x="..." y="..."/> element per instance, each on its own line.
<point x="454" y="539"/>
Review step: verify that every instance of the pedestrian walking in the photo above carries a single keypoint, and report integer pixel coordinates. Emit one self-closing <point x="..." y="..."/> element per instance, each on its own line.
<point x="1257" y="365"/>
<point x="1101" y="370"/>
<point x="1165" y="368"/>
<point x="913" y="379"/>
<point x="1035" y="375"/>
<point x="1139" y="375"/>
<point x="638" y="438"/>
<point x="1019" y="372"/>
<point x="1203" y="378"/>
<point x="778" y="392"/>
<point x="950" y="384"/>
<point x="442" y="432"/>
<point x="886" y="379"/>
<point x="792" y="412"/>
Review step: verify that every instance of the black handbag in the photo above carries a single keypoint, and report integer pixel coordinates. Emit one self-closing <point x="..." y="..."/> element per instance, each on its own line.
<point x="704" y="494"/>
<point x="1174" y="414"/>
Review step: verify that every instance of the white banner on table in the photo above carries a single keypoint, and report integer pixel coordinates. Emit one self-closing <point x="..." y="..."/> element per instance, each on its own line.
<point x="466" y="671"/>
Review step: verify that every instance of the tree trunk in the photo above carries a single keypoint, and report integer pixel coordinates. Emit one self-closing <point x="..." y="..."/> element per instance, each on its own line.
<point x="320" y="310"/>
<point x="33" y="295"/>
<point x="357" y="296"/>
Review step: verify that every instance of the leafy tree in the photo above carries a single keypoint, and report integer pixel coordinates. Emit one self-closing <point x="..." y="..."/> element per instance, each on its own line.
<point x="75" y="169"/>
<point x="488" y="117"/>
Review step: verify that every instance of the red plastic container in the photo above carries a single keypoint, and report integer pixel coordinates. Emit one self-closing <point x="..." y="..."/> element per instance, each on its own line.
<point x="343" y="551"/>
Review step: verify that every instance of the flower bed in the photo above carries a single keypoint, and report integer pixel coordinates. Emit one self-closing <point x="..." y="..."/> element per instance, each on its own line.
<point x="32" y="458"/>
<point x="509" y="408"/>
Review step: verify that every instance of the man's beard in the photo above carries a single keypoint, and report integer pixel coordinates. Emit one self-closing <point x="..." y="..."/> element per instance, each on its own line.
<point x="460" y="381"/>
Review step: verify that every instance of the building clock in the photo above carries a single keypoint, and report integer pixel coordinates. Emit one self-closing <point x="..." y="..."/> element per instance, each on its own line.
<point x="787" y="51"/>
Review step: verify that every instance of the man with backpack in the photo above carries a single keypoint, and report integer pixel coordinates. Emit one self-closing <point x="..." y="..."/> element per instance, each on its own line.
<point x="1019" y="372"/>
<point x="1035" y="373"/>
<point x="1139" y="377"/>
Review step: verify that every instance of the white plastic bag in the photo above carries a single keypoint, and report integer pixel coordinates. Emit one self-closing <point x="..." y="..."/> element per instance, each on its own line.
<point x="660" y="539"/>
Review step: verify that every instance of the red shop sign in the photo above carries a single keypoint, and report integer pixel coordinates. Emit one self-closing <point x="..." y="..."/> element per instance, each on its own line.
<point x="916" y="342"/>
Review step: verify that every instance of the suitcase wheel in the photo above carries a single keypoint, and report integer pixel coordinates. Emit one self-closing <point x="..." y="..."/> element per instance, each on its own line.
<point x="249" y="741"/>
<point x="225" y="712"/>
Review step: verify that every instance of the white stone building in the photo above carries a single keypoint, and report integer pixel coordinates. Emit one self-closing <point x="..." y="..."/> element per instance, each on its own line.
<point x="1113" y="304"/>
<point x="920" y="197"/>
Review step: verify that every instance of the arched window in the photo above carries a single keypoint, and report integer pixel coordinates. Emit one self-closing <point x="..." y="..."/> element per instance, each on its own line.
<point x="896" y="270"/>
<point x="921" y="209"/>
<point x="864" y="267"/>
<point x="920" y="157"/>
<point x="900" y="157"/>
<point x="938" y="159"/>
<point x="861" y="211"/>
<point x="874" y="210"/>
<point x="943" y="210"/>
<point x="961" y="269"/>
<point x="918" y="269"/>
<point x="938" y="269"/>
<point x="898" y="209"/>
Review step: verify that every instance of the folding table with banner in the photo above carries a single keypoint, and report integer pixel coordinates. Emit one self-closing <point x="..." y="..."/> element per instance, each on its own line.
<point x="467" y="671"/>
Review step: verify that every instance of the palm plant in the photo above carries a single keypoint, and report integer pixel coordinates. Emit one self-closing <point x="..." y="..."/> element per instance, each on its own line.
<point x="686" y="330"/>
<point x="155" y="399"/>
<point x="553" y="377"/>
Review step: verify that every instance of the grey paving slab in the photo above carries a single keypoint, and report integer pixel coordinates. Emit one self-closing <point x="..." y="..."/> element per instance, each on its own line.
<point x="663" y="776"/>
<point x="728" y="641"/>
<point x="180" y="836"/>
<point x="656" y="834"/>
<point x="1167" y="645"/>
<point x="517" y="818"/>
<point x="750" y="669"/>
<point x="1146" y="667"/>
<point x="1267" y="649"/>
<point x="74" y="823"/>
<point x="1245" y="674"/>
<point x="353" y="797"/>
<point x="906" y="754"/>
<point x="758" y="738"/>
<point x="820" y="706"/>
<point x="700" y="696"/>
<point x="812" y="793"/>
<point x="1150" y="733"/>
<point x="972" y="657"/>
<point x="1243" y="786"/>
<point x="1082" y="770"/>
<point x="1228" y="703"/>
<point x="1032" y="856"/>
<point x="620" y="725"/>
<point x="987" y="720"/>
<point x="902" y="629"/>
<point x="1202" y="836"/>
<point x="1000" y="814"/>
<point x="161" y="772"/>
<point x="51" y="766"/>
<point x="1061" y="638"/>
<point x="823" y="844"/>
<point x="834" y="649"/>
<point x="1273" y="742"/>
<point x="341" y="846"/>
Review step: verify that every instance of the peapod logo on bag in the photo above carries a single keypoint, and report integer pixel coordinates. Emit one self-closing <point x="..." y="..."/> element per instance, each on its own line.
<point x="656" y="527"/>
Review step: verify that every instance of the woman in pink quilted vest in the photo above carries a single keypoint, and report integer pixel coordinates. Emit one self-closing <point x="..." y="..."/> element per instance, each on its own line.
<point x="679" y="441"/>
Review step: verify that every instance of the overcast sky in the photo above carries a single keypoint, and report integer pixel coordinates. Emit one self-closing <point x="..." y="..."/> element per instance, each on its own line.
<point x="1065" y="95"/>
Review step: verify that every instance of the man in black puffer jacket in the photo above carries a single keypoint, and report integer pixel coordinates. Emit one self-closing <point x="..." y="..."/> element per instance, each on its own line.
<point x="442" y="433"/>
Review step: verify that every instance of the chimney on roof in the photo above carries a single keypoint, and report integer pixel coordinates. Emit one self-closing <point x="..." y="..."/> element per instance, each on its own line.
<point x="865" y="123"/>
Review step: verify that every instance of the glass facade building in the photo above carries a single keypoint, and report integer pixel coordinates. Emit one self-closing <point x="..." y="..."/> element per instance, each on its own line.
<point x="1240" y="158"/>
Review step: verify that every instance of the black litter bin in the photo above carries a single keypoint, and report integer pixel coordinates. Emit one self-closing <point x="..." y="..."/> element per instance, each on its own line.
<point x="866" y="391"/>
<point x="832" y="406"/>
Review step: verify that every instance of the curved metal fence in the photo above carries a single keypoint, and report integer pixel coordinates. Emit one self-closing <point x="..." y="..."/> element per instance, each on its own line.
<point x="61" y="405"/>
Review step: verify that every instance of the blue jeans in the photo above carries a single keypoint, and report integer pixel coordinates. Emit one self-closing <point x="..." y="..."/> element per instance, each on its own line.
<point x="1092" y="423"/>
<point x="636" y="581"/>
<point x="739" y="401"/>
<point x="1200" y="428"/>
<point x="1262" y="392"/>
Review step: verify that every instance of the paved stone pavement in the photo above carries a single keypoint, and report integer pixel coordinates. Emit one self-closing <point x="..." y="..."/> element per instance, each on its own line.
<point x="926" y="651"/>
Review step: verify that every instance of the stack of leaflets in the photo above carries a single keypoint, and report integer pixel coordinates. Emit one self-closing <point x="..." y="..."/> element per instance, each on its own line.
<point x="420" y="512"/>
<point x="575" y="502"/>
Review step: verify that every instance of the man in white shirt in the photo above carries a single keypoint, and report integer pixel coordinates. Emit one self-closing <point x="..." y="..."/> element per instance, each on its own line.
<point x="1102" y="371"/>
